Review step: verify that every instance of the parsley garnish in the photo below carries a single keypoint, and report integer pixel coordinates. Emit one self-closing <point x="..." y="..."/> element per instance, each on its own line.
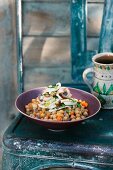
<point x="78" y="105"/>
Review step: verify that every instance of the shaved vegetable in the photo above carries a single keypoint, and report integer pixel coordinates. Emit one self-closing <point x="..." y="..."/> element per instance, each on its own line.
<point x="56" y="103"/>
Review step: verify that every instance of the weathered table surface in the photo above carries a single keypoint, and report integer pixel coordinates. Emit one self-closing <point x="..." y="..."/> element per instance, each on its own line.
<point x="87" y="144"/>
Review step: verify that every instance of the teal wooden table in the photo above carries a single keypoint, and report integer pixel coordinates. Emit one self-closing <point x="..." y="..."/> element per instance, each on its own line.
<point x="87" y="146"/>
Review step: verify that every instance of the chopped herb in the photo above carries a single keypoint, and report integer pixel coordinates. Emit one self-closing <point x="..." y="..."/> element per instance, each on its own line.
<point x="67" y="111"/>
<point x="63" y="105"/>
<point x="73" y="100"/>
<point x="78" y="105"/>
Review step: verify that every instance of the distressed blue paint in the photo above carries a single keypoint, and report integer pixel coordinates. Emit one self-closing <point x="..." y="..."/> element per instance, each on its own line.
<point x="79" y="53"/>
<point x="78" y="37"/>
<point x="19" y="47"/>
<point x="106" y="35"/>
<point x="28" y="146"/>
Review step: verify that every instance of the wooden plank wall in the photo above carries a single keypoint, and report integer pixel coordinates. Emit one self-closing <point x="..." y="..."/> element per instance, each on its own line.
<point x="46" y="44"/>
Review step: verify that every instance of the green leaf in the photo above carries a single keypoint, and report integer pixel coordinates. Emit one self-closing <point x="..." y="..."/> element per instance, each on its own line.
<point x="110" y="89"/>
<point x="67" y="111"/>
<point x="63" y="105"/>
<point x="104" y="89"/>
<point x="96" y="88"/>
<point x="100" y="67"/>
<point x="78" y="105"/>
<point x="108" y="68"/>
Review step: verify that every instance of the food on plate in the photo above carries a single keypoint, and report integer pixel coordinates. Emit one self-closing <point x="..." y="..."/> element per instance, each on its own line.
<point x="57" y="104"/>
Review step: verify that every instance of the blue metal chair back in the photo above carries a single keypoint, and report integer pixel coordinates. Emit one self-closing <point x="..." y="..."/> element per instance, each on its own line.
<point x="80" y="56"/>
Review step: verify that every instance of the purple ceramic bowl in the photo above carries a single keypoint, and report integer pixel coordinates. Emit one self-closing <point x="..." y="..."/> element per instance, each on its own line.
<point x="24" y="98"/>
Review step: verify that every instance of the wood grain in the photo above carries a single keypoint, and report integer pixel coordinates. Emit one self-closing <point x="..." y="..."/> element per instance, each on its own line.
<point x="50" y="51"/>
<point x="50" y="19"/>
<point x="36" y="77"/>
<point x="46" y="19"/>
<point x="46" y="50"/>
<point x="94" y="19"/>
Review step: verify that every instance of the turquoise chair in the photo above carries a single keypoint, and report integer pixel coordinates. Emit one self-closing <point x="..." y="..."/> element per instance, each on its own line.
<point x="28" y="146"/>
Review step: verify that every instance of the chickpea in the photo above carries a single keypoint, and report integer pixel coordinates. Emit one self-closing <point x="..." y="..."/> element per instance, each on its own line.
<point x="66" y="118"/>
<point x="54" y="112"/>
<point x="77" y="110"/>
<point x="27" y="110"/>
<point x="35" y="114"/>
<point x="55" y="119"/>
<point x="82" y="117"/>
<point x="72" y="117"/>
<point x="54" y="116"/>
<point x="59" y="114"/>
<point x="72" y="112"/>
<point x="37" y="99"/>
<point x="43" y="109"/>
<point x="34" y="106"/>
<point x="33" y="100"/>
<point x="57" y="103"/>
<point x="32" y="115"/>
<point x="86" y="110"/>
<point x="78" y="118"/>
<point x="77" y="115"/>
<point x="38" y="114"/>
<point x="50" y="119"/>
<point x="26" y="106"/>
<point x="85" y="113"/>
<point x="61" y="111"/>
<point x="51" y="116"/>
<point x="30" y="106"/>
<point x="45" y="118"/>
<point x="66" y="114"/>
<point x="42" y="115"/>
<point x="82" y="109"/>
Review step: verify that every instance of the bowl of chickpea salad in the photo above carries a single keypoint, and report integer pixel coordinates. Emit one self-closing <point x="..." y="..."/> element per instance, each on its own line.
<point x="57" y="107"/>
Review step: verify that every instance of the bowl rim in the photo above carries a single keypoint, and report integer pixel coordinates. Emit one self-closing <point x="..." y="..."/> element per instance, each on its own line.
<point x="58" y="122"/>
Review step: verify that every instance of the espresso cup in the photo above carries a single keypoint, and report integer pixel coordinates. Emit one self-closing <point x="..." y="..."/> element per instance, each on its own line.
<point x="101" y="84"/>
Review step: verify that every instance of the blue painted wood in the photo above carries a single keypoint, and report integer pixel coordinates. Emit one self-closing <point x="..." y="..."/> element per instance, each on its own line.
<point x="29" y="146"/>
<point x="106" y="35"/>
<point x="20" y="72"/>
<point x="78" y="37"/>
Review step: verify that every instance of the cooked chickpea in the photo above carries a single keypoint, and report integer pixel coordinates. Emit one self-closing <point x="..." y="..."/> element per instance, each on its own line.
<point x="32" y="115"/>
<point x="33" y="100"/>
<point x="82" y="117"/>
<point x="65" y="118"/>
<point x="77" y="110"/>
<point x="72" y="113"/>
<point x="85" y="113"/>
<point x="73" y="119"/>
<point x="77" y="115"/>
<point x="45" y="118"/>
<point x="72" y="116"/>
<point x="78" y="118"/>
<point x="61" y="111"/>
<point x="26" y="106"/>
<point x="34" y="106"/>
<point x="30" y="106"/>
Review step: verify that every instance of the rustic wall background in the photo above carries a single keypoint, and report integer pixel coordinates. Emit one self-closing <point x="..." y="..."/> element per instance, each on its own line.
<point x="46" y="45"/>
